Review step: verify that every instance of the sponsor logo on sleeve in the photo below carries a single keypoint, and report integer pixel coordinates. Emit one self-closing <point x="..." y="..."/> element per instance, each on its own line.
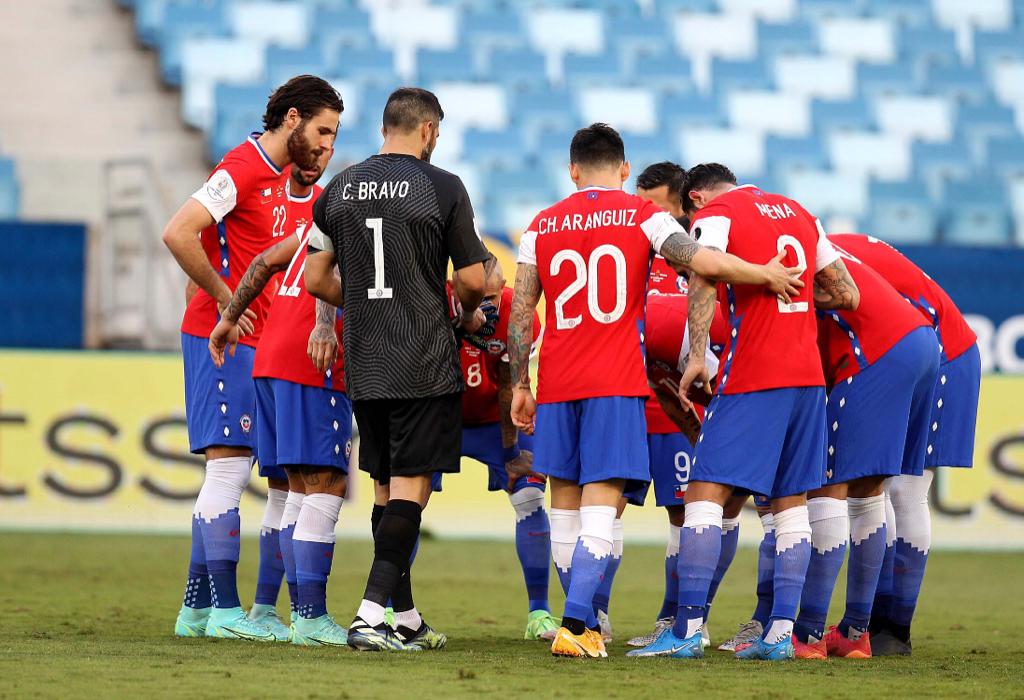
<point x="219" y="187"/>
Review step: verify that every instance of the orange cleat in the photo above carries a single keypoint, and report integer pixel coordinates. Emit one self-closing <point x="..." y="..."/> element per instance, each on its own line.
<point x="840" y="645"/>
<point x="810" y="650"/>
<point x="586" y="645"/>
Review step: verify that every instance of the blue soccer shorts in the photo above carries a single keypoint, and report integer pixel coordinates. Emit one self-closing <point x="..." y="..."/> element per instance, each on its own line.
<point x="220" y="403"/>
<point x="483" y="443"/>
<point x="954" y="412"/>
<point x="671" y="455"/>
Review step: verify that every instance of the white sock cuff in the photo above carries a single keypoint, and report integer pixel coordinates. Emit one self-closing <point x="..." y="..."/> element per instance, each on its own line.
<point x="768" y="523"/>
<point x="565" y="526"/>
<point x="823" y="508"/>
<point x="867" y="516"/>
<point x="730" y="524"/>
<point x="906" y="491"/>
<point x="318" y="518"/>
<point x="230" y="470"/>
<point x="830" y="526"/>
<point x="701" y="515"/>
<point x="526" y="502"/>
<point x="890" y="522"/>
<point x="292" y="506"/>
<point x="222" y="486"/>
<point x="274" y="511"/>
<point x="598" y="522"/>
<point x="672" y="548"/>
<point x="860" y="506"/>
<point x="617" y="537"/>
<point x="791" y="526"/>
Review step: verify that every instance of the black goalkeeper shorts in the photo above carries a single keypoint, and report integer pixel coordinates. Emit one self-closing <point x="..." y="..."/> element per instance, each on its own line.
<point x="409" y="437"/>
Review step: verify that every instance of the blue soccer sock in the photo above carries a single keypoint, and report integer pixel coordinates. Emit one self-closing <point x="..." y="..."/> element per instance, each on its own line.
<point x="271" y="568"/>
<point x="883" y="591"/>
<point x="217" y="512"/>
<point x="830" y="530"/>
<point x="533" y="542"/>
<point x="699" y="549"/>
<point x="565" y="532"/>
<point x="730" y="539"/>
<point x="589" y="562"/>
<point x="792" y="554"/>
<point x="909" y="496"/>
<point x="671" y="600"/>
<point x="197" y="589"/>
<point x="765" y="572"/>
<point x="602" y="598"/>
<point x="867" y="551"/>
<point x="314" y="551"/>
<point x="292" y="507"/>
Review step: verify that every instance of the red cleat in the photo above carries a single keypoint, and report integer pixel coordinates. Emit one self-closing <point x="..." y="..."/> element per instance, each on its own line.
<point x="817" y="651"/>
<point x="840" y="645"/>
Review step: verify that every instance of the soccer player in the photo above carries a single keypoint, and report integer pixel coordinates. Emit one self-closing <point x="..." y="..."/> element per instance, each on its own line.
<point x="880" y="363"/>
<point x="489" y="437"/>
<point x="237" y="214"/>
<point x="954" y="413"/>
<point x="590" y="254"/>
<point x="390" y="225"/>
<point x="770" y="391"/>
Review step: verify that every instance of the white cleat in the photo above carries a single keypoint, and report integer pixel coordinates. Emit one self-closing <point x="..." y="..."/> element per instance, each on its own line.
<point x="660" y="626"/>
<point x="705" y="638"/>
<point x="748" y="633"/>
<point x="606" y="626"/>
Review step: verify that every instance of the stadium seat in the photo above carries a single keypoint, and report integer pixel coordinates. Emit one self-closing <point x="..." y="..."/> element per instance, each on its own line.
<point x="493" y="29"/>
<point x="959" y="82"/>
<point x="831" y="77"/>
<point x="9" y="190"/>
<point x="284" y="63"/>
<point x="639" y="41"/>
<point x="990" y="47"/>
<point x="1005" y="156"/>
<point x="186" y="20"/>
<point x="480" y="105"/>
<point x="895" y="79"/>
<point x="517" y="67"/>
<point x="833" y="115"/>
<point x="785" y="154"/>
<point x="665" y="8"/>
<point x="924" y="46"/>
<point x="373" y="66"/>
<point x="771" y="112"/>
<point x="918" y="117"/>
<point x="823" y="9"/>
<point x="493" y="149"/>
<point x="206" y="62"/>
<point x="884" y="156"/>
<point x="906" y="13"/>
<point x="1008" y="81"/>
<point x="741" y="150"/>
<point x="410" y="27"/>
<point x="283" y="23"/>
<point x="664" y="71"/>
<point x="700" y="35"/>
<point x="342" y="28"/>
<point x="934" y="163"/>
<point x="626" y="109"/>
<point x="901" y="212"/>
<point x="642" y="151"/>
<point x="976" y="213"/>
<point x="687" y="110"/>
<point x="979" y="123"/>
<point x="985" y="14"/>
<point x="728" y="75"/>
<point x="434" y="65"/>
<point x="552" y="148"/>
<point x="774" y="39"/>
<point x="827" y="192"/>
<point x="547" y="30"/>
<point x="583" y="71"/>
<point x="860" y="38"/>
<point x="769" y="10"/>
<point x="543" y="109"/>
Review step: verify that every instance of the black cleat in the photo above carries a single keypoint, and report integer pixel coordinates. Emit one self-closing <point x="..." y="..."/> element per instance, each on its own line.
<point x="885" y="643"/>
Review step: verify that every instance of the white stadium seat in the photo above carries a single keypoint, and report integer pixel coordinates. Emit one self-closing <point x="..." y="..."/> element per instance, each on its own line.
<point x="770" y="112"/>
<point x="829" y="193"/>
<point x="479" y="105"/>
<point x="830" y="77"/>
<point x="859" y="38"/>
<point x="742" y="150"/>
<point x="912" y="116"/>
<point x="627" y="109"/>
<point x="281" y="23"/>
<point x="885" y="156"/>
<point x="559" y="31"/>
<point x="723" y="35"/>
<point x="770" y="10"/>
<point x="418" y="26"/>
<point x="207" y="61"/>
<point x="1008" y="82"/>
<point x="983" y="14"/>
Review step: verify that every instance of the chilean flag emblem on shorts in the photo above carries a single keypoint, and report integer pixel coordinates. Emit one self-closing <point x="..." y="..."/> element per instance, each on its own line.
<point x="680" y="492"/>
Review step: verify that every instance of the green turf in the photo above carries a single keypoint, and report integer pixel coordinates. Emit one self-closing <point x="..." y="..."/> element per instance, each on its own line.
<point x="92" y="616"/>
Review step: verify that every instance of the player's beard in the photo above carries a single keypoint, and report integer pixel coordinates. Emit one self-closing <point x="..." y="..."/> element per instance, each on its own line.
<point x="428" y="150"/>
<point x="301" y="153"/>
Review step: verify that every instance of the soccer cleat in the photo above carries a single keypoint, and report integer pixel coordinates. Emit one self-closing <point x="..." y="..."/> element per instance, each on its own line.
<point x="586" y="645"/>
<point x="747" y="634"/>
<point x="885" y="643"/>
<point x="813" y="649"/>
<point x="321" y="631"/>
<point x="660" y="625"/>
<point x="389" y="617"/>
<point x="191" y="622"/>
<point x="705" y="636"/>
<point x="840" y="645"/>
<point x="233" y="623"/>
<point x="667" y="644"/>
<point x="267" y="616"/>
<point x="606" y="626"/>
<point x="540" y="624"/>
<point x="426" y="637"/>
<point x="364" y="637"/>
<point x="761" y="650"/>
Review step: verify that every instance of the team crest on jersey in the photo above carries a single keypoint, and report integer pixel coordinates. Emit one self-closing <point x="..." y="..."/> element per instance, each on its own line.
<point x="496" y="347"/>
<point x="348" y="449"/>
<point x="246" y="422"/>
<point x="267" y="195"/>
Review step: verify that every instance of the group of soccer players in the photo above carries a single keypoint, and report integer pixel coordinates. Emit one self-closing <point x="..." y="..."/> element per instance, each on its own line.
<point x="700" y="334"/>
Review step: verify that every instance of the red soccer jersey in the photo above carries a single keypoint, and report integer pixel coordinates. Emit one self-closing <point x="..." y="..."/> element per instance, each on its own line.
<point x="281" y="353"/>
<point x="850" y="341"/>
<point x="663" y="279"/>
<point x="772" y="345"/>
<point x="592" y="251"/>
<point x="245" y="194"/>
<point x="955" y="336"/>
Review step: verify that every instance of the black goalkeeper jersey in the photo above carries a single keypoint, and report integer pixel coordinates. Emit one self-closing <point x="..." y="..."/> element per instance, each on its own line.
<point x="393" y="222"/>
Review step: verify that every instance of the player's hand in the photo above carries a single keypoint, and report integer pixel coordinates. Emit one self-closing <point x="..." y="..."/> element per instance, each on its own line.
<point x="225" y="335"/>
<point x="524" y="409"/>
<point x="246" y="322"/>
<point x="784" y="281"/>
<point x="696" y="374"/>
<point x="322" y="347"/>
<point x="479" y="338"/>
<point x="473" y="322"/>
<point x="519" y="467"/>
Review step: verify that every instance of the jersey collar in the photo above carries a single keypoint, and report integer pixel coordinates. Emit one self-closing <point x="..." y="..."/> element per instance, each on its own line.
<point x="263" y="154"/>
<point x="293" y="198"/>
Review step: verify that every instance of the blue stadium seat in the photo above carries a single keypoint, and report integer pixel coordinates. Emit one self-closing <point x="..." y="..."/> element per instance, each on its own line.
<point x="494" y="149"/>
<point x="901" y="212"/>
<point x="9" y="190"/>
<point x="373" y="66"/>
<point x="445" y="66"/>
<point x="501" y="29"/>
<point x="522" y="185"/>
<point x="739" y="75"/>
<point x="976" y="214"/>
<point x="688" y="110"/>
<point x="185" y="20"/>
<point x="579" y="71"/>
<point x="613" y="9"/>
<point x="928" y="46"/>
<point x="517" y="67"/>
<point x="908" y="13"/>
<point x="643" y="150"/>
<point x="667" y="7"/>
<point x="937" y="162"/>
<point x="552" y="148"/>
<point x="543" y="109"/>
<point x="342" y="28"/>
<point x="795" y="37"/>
<point x="637" y="39"/>
<point x="284" y="63"/>
<point x="990" y="47"/>
<point x="820" y="9"/>
<point x="832" y="115"/>
<point x="785" y="153"/>
<point x="666" y="71"/>
<point x="960" y="82"/>
<point x="1005" y="156"/>
<point x="895" y="78"/>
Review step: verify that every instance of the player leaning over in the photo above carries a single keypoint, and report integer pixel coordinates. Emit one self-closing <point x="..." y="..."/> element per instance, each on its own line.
<point x="590" y="254"/>
<point x="770" y="391"/>
<point x="236" y="214"/>
<point x="954" y="414"/>
<point x="390" y="224"/>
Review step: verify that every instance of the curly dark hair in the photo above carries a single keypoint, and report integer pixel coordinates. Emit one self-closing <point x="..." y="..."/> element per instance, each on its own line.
<point x="306" y="93"/>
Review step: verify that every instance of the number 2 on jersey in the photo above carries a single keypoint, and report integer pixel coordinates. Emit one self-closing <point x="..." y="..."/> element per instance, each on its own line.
<point x="787" y="241"/>
<point x="586" y="276"/>
<point x="378" y="291"/>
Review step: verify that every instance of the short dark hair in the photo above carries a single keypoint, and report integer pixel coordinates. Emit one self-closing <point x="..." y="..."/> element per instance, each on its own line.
<point x="408" y="107"/>
<point x="664" y="173"/>
<point x="703" y="176"/>
<point x="597" y="145"/>
<point x="306" y="93"/>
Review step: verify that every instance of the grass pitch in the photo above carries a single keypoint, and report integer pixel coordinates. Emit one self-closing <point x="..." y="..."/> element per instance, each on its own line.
<point x="91" y="616"/>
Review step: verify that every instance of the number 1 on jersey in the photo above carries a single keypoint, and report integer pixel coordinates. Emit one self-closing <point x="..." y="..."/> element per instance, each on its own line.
<point x="378" y="291"/>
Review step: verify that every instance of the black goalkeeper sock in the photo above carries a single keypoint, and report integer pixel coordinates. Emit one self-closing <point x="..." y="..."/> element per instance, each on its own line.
<point x="375" y="515"/>
<point x="575" y="626"/>
<point x="394" y="538"/>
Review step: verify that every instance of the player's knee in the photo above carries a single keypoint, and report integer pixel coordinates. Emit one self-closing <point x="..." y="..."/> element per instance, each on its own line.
<point x="791" y="526"/>
<point x="230" y="472"/>
<point x="907" y="491"/>
<point x="701" y="514"/>
<point x="597" y="526"/>
<point x="527" y="501"/>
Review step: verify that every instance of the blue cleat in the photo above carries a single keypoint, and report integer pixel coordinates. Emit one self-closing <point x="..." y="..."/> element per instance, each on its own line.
<point x="761" y="650"/>
<point x="191" y="622"/>
<point x="667" y="644"/>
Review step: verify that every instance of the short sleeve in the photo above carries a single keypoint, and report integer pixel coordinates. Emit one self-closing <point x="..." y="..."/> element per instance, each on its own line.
<point x="825" y="254"/>
<point x="465" y="246"/>
<point x="219" y="194"/>
<point x="319" y="242"/>
<point x="658" y="225"/>
<point x="528" y="247"/>
<point x="711" y="226"/>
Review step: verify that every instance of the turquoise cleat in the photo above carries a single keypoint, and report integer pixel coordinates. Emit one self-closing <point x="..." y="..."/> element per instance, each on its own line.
<point x="191" y="622"/>
<point x="321" y="631"/>
<point x="267" y="616"/>
<point x="667" y="644"/>
<point x="542" y="625"/>
<point x="232" y="623"/>
<point x="760" y="650"/>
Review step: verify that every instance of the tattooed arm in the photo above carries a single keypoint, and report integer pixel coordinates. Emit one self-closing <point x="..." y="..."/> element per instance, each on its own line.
<point x="322" y="347"/>
<point x="321" y="278"/>
<point x="835" y="289"/>
<point x="702" y="297"/>
<point x="520" y="338"/>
